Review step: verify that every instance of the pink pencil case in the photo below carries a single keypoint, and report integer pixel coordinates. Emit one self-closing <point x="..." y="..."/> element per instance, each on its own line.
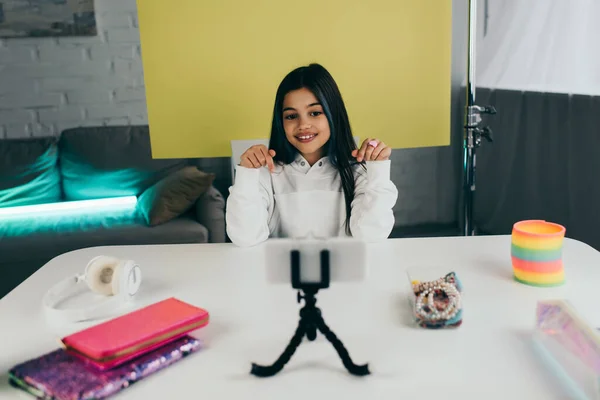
<point x="60" y="375"/>
<point x="114" y="342"/>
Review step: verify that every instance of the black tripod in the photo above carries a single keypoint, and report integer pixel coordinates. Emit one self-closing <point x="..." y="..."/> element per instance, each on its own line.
<point x="311" y="320"/>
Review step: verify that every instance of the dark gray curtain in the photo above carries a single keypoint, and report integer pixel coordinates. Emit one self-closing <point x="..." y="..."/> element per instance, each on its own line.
<point x="544" y="163"/>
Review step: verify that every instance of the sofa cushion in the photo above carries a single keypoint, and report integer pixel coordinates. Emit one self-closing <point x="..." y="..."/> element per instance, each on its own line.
<point x="52" y="238"/>
<point x="210" y="212"/>
<point x="20" y="256"/>
<point x="110" y="161"/>
<point x="29" y="172"/>
<point x="173" y="195"/>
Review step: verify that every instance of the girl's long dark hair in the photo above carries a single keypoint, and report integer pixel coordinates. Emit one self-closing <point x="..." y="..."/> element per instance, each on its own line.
<point x="319" y="81"/>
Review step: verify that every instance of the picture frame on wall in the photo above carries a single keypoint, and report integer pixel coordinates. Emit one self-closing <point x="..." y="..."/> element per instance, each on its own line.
<point x="47" y="18"/>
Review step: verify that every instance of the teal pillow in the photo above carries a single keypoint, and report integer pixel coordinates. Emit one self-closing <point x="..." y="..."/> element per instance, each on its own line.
<point x="110" y="161"/>
<point x="29" y="172"/>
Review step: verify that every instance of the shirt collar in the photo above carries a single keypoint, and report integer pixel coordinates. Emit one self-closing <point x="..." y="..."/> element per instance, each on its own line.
<point x="301" y="164"/>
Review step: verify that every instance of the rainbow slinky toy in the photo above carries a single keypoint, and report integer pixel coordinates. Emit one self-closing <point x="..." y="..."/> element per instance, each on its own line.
<point x="536" y="252"/>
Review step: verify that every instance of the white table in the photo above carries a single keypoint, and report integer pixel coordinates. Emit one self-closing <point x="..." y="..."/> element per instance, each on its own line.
<point x="490" y="356"/>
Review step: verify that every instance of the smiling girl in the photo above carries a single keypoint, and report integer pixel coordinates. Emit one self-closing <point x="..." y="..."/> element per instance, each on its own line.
<point x="312" y="180"/>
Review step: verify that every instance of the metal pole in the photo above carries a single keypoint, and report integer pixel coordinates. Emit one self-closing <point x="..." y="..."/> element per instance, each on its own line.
<point x="469" y="145"/>
<point x="473" y="134"/>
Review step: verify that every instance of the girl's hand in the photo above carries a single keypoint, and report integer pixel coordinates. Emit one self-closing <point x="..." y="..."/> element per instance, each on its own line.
<point x="372" y="150"/>
<point x="258" y="156"/>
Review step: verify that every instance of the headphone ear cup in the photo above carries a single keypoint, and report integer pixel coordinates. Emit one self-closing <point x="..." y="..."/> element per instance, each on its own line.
<point x="100" y="274"/>
<point x="101" y="259"/>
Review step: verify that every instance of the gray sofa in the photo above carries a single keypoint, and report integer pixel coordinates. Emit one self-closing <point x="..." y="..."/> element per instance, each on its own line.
<point x="91" y="163"/>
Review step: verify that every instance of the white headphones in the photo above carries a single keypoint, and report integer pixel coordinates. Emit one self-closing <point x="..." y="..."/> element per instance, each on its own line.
<point x="118" y="279"/>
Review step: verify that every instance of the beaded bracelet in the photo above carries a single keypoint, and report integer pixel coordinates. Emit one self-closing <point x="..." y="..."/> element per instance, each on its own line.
<point x="438" y="303"/>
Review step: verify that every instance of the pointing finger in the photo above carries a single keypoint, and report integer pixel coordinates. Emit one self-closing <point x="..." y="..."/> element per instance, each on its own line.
<point x="363" y="149"/>
<point x="268" y="158"/>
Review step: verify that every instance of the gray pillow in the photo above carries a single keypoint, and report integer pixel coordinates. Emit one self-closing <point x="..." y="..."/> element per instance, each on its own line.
<point x="173" y="195"/>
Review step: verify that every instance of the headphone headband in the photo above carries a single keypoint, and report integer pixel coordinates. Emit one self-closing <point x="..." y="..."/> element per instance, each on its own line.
<point x="119" y="280"/>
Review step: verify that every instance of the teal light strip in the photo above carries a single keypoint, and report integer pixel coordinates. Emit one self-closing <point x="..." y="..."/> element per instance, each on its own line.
<point x="125" y="202"/>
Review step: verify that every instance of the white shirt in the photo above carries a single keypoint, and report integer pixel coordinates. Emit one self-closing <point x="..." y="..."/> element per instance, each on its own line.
<point x="298" y="200"/>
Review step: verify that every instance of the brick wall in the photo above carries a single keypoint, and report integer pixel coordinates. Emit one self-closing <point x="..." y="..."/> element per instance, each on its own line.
<point x="49" y="84"/>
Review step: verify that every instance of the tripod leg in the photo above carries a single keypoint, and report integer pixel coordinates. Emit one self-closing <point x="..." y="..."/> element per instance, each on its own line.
<point x="270" y="370"/>
<point x="359" y="370"/>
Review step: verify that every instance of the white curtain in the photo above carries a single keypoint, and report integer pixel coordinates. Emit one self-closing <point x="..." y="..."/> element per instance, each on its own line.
<point x="540" y="45"/>
<point x="539" y="65"/>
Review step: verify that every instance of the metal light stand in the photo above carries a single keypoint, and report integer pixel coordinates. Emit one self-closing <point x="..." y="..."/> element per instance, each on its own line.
<point x="473" y="133"/>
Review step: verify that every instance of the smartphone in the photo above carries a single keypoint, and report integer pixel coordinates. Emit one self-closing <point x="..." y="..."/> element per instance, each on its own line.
<point x="347" y="259"/>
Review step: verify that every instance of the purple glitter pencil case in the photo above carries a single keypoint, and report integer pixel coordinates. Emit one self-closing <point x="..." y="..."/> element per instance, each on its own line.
<point x="61" y="376"/>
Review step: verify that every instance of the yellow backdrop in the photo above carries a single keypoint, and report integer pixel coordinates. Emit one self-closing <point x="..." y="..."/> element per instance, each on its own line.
<point x="212" y="68"/>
